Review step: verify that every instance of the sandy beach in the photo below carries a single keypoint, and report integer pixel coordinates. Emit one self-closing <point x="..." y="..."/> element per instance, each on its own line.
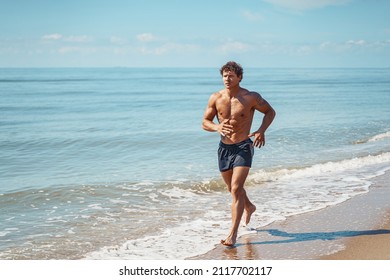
<point x="357" y="229"/>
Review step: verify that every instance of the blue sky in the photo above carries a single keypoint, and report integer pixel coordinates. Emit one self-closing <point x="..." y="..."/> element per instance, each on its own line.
<point x="187" y="33"/>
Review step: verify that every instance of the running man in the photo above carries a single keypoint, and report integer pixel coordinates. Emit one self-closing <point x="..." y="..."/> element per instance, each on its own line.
<point x="234" y="108"/>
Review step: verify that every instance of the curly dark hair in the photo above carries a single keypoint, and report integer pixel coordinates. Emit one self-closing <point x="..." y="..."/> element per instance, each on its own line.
<point x="234" y="67"/>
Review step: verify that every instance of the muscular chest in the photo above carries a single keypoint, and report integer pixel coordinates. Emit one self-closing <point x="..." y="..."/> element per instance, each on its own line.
<point x="233" y="108"/>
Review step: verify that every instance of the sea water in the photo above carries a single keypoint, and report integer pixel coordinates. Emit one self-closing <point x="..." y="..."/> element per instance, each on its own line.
<point x="112" y="163"/>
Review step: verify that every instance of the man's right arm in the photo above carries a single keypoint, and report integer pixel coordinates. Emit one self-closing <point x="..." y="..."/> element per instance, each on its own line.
<point x="209" y="115"/>
<point x="224" y="128"/>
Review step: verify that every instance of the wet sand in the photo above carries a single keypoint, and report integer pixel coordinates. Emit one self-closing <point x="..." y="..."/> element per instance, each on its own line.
<point x="357" y="229"/>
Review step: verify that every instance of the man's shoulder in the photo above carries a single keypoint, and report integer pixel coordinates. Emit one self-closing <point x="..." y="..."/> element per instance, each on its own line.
<point x="250" y="94"/>
<point x="217" y="95"/>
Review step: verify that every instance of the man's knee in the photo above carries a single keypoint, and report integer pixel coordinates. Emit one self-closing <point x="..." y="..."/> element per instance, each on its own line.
<point x="237" y="190"/>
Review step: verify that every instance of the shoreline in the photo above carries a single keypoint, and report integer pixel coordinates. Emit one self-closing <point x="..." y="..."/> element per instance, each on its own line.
<point x="356" y="229"/>
<point x="369" y="247"/>
<point x="375" y="246"/>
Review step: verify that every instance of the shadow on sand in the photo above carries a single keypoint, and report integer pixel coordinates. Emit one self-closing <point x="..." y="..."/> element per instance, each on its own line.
<point x="311" y="236"/>
<point x="250" y="250"/>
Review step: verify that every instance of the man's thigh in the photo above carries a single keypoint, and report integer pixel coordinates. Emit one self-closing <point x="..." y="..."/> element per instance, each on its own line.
<point x="239" y="175"/>
<point x="227" y="177"/>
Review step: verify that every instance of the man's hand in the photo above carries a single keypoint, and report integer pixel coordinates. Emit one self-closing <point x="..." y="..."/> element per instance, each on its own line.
<point x="259" y="139"/>
<point x="225" y="128"/>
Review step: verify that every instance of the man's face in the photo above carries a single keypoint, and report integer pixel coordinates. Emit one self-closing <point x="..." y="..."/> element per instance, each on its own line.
<point x="230" y="79"/>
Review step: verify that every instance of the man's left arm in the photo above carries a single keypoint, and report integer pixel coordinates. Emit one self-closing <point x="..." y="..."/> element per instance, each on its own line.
<point x="264" y="107"/>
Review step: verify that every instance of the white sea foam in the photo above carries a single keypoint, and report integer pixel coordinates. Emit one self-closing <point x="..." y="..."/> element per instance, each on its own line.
<point x="3" y="233"/>
<point x="174" y="243"/>
<point x="277" y="194"/>
<point x="378" y="137"/>
<point x="322" y="169"/>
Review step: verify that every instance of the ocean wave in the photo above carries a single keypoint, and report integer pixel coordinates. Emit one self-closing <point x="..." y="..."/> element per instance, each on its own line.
<point x="263" y="176"/>
<point x="374" y="138"/>
<point x="147" y="219"/>
<point x="380" y="137"/>
<point x="277" y="193"/>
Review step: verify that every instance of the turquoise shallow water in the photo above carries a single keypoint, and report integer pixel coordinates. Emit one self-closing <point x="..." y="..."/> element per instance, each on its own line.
<point x="104" y="163"/>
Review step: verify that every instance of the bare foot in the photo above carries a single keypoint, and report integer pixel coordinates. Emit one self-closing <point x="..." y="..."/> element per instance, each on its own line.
<point x="248" y="214"/>
<point x="229" y="241"/>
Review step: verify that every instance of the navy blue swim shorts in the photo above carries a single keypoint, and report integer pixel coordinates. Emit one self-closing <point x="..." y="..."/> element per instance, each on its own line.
<point x="233" y="155"/>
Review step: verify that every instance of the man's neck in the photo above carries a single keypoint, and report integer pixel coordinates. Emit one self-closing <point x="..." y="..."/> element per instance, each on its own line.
<point x="233" y="92"/>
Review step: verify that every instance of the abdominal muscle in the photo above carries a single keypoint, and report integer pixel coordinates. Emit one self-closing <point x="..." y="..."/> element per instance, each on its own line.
<point x="241" y="130"/>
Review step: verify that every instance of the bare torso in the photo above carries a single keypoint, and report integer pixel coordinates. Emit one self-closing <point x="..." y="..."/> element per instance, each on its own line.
<point x="239" y="111"/>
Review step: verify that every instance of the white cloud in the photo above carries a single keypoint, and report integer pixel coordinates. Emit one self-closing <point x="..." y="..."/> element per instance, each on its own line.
<point x="169" y="48"/>
<point x="117" y="40"/>
<point x="234" y="47"/>
<point x="357" y="43"/>
<point x="306" y="4"/>
<point x="146" y="37"/>
<point x="121" y="50"/>
<point x="251" y="16"/>
<point x="304" y="50"/>
<point x="78" y="39"/>
<point x="70" y="49"/>
<point x="54" y="36"/>
<point x="72" y="38"/>
<point x="354" y="45"/>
